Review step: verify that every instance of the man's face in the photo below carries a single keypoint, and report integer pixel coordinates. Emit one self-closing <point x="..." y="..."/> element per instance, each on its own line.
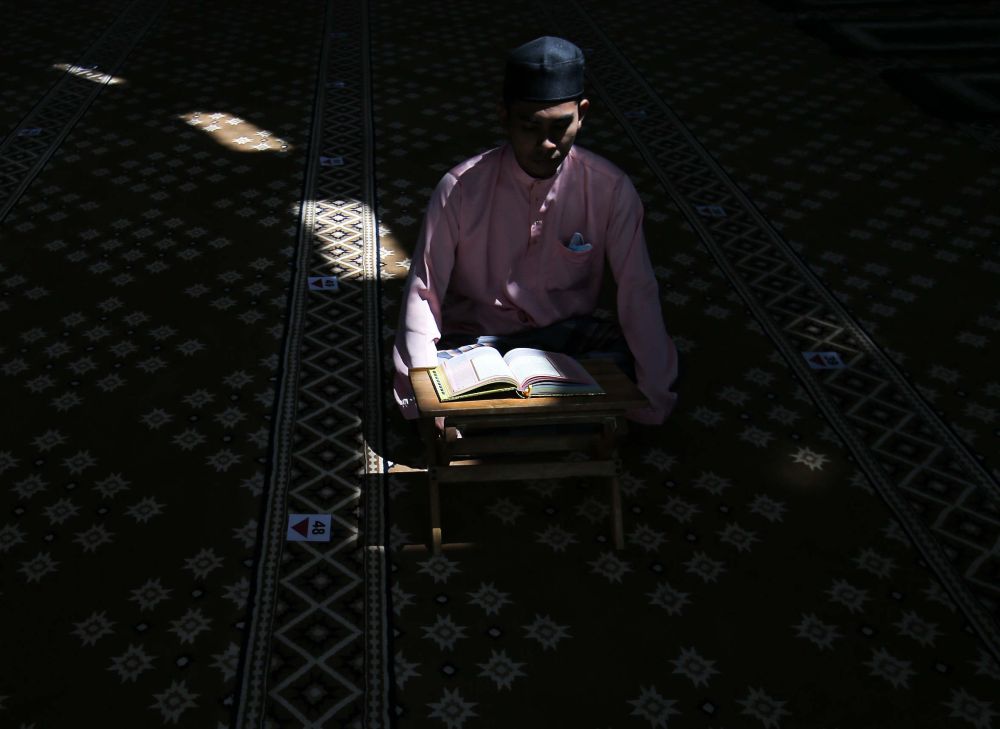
<point x="540" y="133"/>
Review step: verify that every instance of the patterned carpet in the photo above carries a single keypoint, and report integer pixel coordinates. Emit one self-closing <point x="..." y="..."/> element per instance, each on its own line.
<point x="805" y="548"/>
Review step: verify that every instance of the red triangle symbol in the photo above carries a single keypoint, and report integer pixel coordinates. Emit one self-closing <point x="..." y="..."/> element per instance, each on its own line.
<point x="817" y="359"/>
<point x="302" y="527"/>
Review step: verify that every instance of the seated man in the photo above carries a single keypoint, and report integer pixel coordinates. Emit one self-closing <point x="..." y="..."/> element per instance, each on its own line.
<point x="513" y="244"/>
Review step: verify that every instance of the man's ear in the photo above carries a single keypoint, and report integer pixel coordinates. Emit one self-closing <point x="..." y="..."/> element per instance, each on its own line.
<point x="582" y="109"/>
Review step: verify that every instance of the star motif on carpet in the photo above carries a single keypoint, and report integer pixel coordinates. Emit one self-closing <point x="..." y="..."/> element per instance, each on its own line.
<point x="733" y="396"/>
<point x="439" y="567"/>
<point x="894" y="670"/>
<point x="10" y="535"/>
<point x="94" y="628"/>
<point x="712" y="483"/>
<point x="94" y="537"/>
<point x="817" y="632"/>
<point x="189" y="625"/>
<point x="659" y="459"/>
<point x="227" y="661"/>
<point x="694" y="666"/>
<point x="400" y="598"/>
<point x="847" y="595"/>
<point x="679" y="509"/>
<point x="737" y="536"/>
<point x="705" y="567"/>
<point x="38" y="566"/>
<point x="452" y="709"/>
<point x="761" y="706"/>
<point x="593" y="510"/>
<point x="131" y="663"/>
<point x="556" y="537"/>
<point x="706" y="416"/>
<point x="506" y="511"/>
<point x="203" y="563"/>
<point x="501" y="670"/>
<point x="489" y="598"/>
<point x="646" y="537"/>
<point x="669" y="598"/>
<point x="759" y="377"/>
<point x="653" y="707"/>
<point x="977" y="712"/>
<point x="767" y="507"/>
<point x="810" y="458"/>
<point x="756" y="436"/>
<point x="915" y="627"/>
<point x="610" y="566"/>
<point x="783" y="415"/>
<point x="404" y="670"/>
<point x="237" y="592"/>
<point x="444" y="632"/>
<point x="174" y="701"/>
<point x="871" y="561"/>
<point x="546" y="632"/>
<point x="150" y="594"/>
<point x="7" y="461"/>
<point x="29" y="486"/>
<point x="145" y="509"/>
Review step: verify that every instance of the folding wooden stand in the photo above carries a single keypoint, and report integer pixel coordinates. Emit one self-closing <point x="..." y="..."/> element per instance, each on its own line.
<point x="470" y="449"/>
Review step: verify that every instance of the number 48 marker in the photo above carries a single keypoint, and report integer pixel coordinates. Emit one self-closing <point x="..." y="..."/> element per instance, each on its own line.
<point x="308" y="528"/>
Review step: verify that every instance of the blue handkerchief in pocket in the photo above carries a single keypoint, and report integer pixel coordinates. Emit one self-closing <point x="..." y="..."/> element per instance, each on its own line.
<point x="576" y="244"/>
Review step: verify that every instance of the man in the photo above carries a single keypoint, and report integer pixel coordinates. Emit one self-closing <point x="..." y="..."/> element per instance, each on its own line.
<point x="514" y="240"/>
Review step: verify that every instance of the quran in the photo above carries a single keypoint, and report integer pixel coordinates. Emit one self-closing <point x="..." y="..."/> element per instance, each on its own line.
<point x="524" y="372"/>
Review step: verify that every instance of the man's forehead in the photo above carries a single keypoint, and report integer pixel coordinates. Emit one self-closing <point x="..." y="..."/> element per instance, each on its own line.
<point x="529" y="111"/>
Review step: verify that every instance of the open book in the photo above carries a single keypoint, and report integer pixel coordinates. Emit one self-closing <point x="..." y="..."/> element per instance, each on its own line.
<point x="524" y="371"/>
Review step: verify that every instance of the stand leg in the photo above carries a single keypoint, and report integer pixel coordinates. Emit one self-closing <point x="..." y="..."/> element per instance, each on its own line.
<point x="606" y="451"/>
<point x="606" y="443"/>
<point x="617" y="531"/>
<point x="432" y="443"/>
<point x="432" y="483"/>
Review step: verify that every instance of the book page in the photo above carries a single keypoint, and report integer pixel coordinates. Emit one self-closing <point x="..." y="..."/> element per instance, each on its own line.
<point x="471" y="368"/>
<point x="525" y="363"/>
<point x="487" y="367"/>
<point x="570" y="368"/>
<point x="532" y="366"/>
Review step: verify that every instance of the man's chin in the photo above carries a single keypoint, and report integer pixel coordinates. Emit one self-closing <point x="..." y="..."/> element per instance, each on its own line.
<point x="545" y="168"/>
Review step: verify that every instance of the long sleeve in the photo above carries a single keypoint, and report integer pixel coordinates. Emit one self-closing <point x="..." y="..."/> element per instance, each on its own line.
<point x="419" y="326"/>
<point x="639" y="310"/>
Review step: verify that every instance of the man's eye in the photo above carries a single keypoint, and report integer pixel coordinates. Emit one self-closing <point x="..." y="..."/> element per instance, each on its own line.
<point x="560" y="128"/>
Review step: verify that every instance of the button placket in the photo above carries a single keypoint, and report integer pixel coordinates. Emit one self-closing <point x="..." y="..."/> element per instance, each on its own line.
<point x="536" y="231"/>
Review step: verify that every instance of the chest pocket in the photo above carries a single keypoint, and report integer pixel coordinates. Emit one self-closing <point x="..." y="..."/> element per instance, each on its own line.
<point x="571" y="262"/>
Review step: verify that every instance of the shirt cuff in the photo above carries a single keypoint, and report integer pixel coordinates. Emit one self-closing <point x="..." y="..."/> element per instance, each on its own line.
<point x="403" y="393"/>
<point x="408" y="407"/>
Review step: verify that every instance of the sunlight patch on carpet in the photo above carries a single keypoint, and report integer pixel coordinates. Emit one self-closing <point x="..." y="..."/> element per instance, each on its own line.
<point x="236" y="133"/>
<point x="90" y="74"/>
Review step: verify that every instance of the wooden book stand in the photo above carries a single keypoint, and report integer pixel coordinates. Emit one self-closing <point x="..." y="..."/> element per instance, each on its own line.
<point x="470" y="449"/>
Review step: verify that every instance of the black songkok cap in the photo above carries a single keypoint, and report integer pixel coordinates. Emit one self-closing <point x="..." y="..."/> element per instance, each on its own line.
<point x="545" y="69"/>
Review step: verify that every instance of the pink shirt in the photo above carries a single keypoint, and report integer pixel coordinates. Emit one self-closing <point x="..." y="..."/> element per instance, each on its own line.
<point x="493" y="239"/>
